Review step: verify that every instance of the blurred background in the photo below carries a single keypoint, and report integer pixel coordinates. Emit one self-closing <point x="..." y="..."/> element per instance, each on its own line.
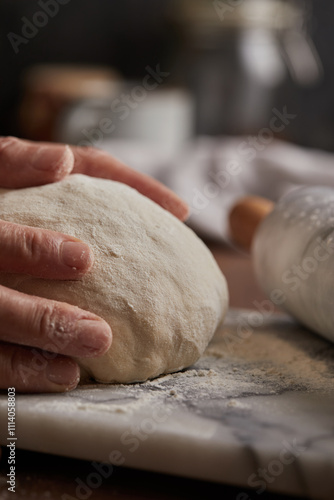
<point x="162" y="71"/>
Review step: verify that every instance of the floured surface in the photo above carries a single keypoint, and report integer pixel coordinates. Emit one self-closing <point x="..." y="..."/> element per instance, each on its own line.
<point x="256" y="393"/>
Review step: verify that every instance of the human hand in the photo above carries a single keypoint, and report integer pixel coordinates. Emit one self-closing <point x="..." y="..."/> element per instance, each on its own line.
<point x="37" y="336"/>
<point x="34" y="330"/>
<point x="26" y="163"/>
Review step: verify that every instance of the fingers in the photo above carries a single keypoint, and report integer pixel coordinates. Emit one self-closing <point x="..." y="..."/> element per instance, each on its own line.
<point x="30" y="370"/>
<point x="48" y="328"/>
<point x="25" y="163"/>
<point x="52" y="326"/>
<point x="42" y="253"/>
<point x="97" y="163"/>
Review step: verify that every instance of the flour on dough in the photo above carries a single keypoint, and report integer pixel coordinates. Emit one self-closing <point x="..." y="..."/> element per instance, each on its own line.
<point x="153" y="281"/>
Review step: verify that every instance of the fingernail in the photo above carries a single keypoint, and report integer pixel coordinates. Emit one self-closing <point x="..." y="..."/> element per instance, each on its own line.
<point x="47" y="157"/>
<point x="63" y="372"/>
<point x="94" y="336"/>
<point x="76" y="255"/>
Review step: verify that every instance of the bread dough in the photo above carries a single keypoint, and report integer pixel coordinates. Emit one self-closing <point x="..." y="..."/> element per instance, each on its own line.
<point x="154" y="281"/>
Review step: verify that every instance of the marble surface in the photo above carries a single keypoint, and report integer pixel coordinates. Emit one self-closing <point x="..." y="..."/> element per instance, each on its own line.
<point x="255" y="411"/>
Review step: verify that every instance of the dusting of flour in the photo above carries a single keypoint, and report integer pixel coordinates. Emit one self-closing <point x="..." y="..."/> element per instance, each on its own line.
<point x="278" y="357"/>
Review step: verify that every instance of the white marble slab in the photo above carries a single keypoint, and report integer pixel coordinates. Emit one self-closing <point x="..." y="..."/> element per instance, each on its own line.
<point x="256" y="410"/>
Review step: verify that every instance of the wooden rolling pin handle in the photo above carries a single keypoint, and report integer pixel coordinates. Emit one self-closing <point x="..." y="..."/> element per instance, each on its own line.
<point x="244" y="218"/>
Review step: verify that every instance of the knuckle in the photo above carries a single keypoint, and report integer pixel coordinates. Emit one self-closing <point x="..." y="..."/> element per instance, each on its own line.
<point x="14" y="367"/>
<point x="32" y="244"/>
<point x="53" y="326"/>
<point x="88" y="151"/>
<point x="28" y="246"/>
<point x="93" y="151"/>
<point x="47" y="320"/>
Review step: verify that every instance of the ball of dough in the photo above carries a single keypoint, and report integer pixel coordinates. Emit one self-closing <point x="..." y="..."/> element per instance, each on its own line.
<point x="153" y="279"/>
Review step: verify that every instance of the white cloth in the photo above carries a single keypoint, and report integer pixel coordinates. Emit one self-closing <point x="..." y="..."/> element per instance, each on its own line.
<point x="211" y="174"/>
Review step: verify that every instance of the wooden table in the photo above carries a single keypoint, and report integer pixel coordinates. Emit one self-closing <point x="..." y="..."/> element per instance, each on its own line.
<point x="41" y="476"/>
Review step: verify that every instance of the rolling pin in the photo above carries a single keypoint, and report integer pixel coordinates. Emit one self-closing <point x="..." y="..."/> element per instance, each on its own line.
<point x="292" y="247"/>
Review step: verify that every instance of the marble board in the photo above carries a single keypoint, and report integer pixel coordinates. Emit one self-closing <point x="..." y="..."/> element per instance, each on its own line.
<point x="257" y="410"/>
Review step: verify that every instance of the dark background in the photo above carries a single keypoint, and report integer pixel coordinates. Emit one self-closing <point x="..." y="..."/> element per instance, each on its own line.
<point x="131" y="34"/>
